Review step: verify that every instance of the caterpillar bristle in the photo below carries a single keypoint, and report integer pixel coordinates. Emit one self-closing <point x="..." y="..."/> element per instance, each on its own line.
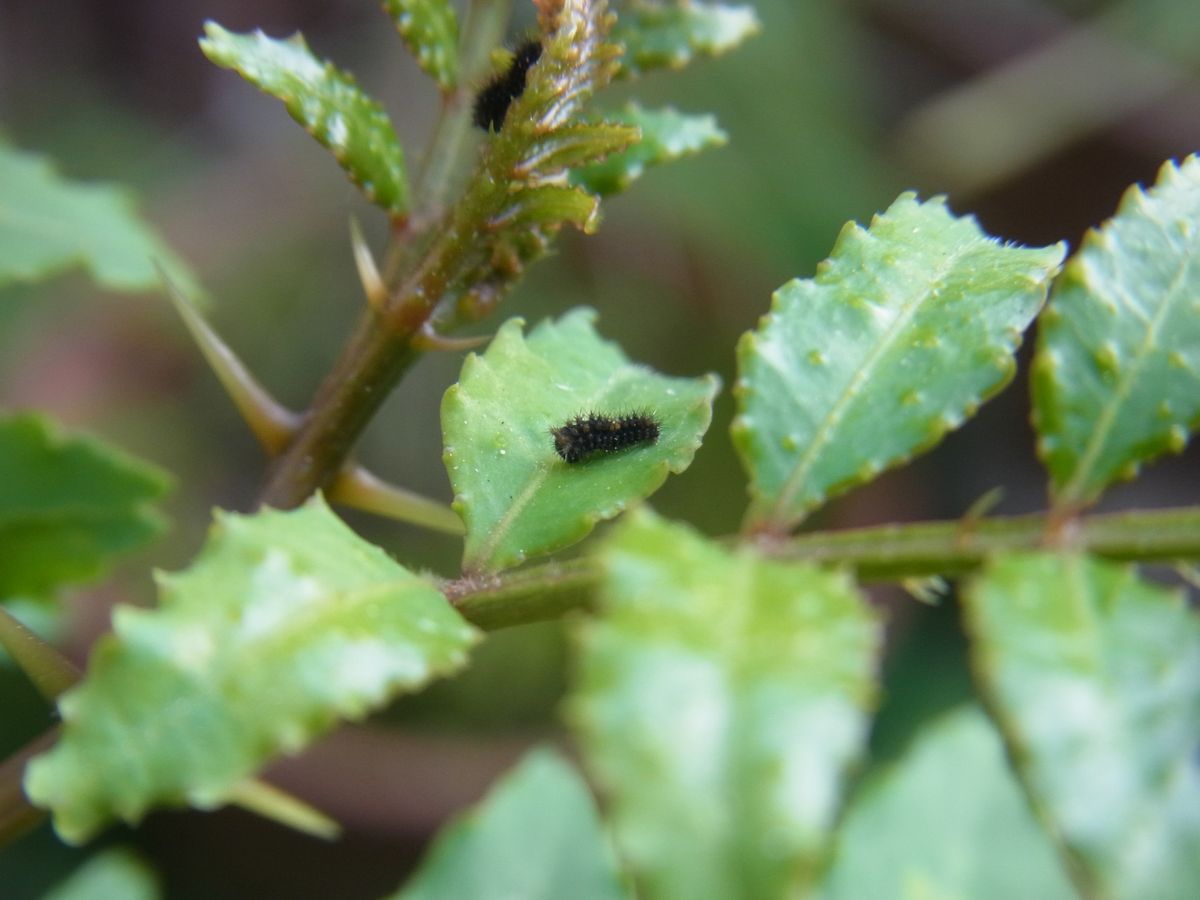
<point x="595" y="433"/>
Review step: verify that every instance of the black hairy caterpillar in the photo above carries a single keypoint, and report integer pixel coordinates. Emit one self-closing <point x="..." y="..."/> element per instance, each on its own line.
<point x="491" y="103"/>
<point x="594" y="433"/>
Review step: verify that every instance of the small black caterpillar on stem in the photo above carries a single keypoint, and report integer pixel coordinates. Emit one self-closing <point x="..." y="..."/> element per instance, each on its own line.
<point x="584" y="436"/>
<point x="492" y="103"/>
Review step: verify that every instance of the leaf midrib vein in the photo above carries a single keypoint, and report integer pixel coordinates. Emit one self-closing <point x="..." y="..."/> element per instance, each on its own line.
<point x="1071" y="493"/>
<point x="837" y="412"/>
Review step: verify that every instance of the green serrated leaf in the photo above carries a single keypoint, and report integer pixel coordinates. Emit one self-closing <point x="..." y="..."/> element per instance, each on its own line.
<point x="535" y="837"/>
<point x="430" y="29"/>
<point x="501" y="223"/>
<point x="516" y="497"/>
<point x="947" y="821"/>
<point x="326" y="102"/>
<point x="117" y="873"/>
<point x="667" y="135"/>
<point x="285" y="622"/>
<point x="48" y="224"/>
<point x="576" y="145"/>
<point x="576" y="61"/>
<point x="543" y="133"/>
<point x="70" y="506"/>
<point x="661" y="35"/>
<point x="1096" y="679"/>
<point x="904" y="331"/>
<point x="1116" y="379"/>
<point x="551" y="204"/>
<point x="721" y="699"/>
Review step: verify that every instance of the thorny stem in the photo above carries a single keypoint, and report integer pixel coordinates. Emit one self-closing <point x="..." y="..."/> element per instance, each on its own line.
<point x="375" y="357"/>
<point x="381" y="348"/>
<point x="370" y="365"/>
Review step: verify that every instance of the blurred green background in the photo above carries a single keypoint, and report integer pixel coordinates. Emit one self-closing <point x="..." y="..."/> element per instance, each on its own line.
<point x="1034" y="116"/>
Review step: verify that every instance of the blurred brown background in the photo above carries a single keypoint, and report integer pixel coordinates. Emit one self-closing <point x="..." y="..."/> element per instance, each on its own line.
<point x="1034" y="116"/>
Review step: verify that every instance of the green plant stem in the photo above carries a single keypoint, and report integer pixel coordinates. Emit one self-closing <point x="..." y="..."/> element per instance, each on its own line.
<point x="50" y="671"/>
<point x="529" y="595"/>
<point x="381" y="349"/>
<point x="891" y="552"/>
<point x="370" y="365"/>
<point x="879" y="553"/>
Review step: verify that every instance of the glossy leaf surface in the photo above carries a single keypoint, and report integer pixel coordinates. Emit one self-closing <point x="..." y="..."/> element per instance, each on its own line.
<point x="1116" y="380"/>
<point x="326" y="101"/>
<point x="517" y="498"/>
<point x="430" y="29"/>
<point x="286" y="622"/>
<point x="720" y="701"/>
<point x="70" y="506"/>
<point x="904" y="331"/>
<point x="536" y="837"/>
<point x="1096" y="678"/>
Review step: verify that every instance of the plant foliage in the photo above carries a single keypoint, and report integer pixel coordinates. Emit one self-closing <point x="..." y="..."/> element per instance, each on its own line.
<point x="285" y="622"/>
<point x="70" y="506"/>
<point x="517" y="498"/>
<point x="703" y="681"/>
<point x="430" y="28"/>
<point x="724" y="687"/>
<point x="904" y="331"/>
<point x="49" y="224"/>
<point x="537" y="836"/>
<point x="1117" y="375"/>
<point x="1095" y="677"/>
<point x="326" y="101"/>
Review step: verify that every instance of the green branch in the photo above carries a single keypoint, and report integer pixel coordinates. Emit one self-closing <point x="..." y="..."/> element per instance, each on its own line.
<point x="535" y="594"/>
<point x="878" y="553"/>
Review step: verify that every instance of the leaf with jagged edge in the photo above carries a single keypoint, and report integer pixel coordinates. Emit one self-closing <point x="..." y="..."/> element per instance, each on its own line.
<point x="904" y="331"/>
<point x="326" y="101"/>
<point x="286" y="622"/>
<point x="948" y="820"/>
<point x="576" y="61"/>
<point x="536" y="836"/>
<point x="670" y="35"/>
<point x="478" y="253"/>
<point x="517" y="498"/>
<point x="430" y="29"/>
<point x="1116" y="378"/>
<point x="551" y="204"/>
<point x="722" y="699"/>
<point x="116" y="874"/>
<point x="583" y="143"/>
<point x="666" y="135"/>
<point x="1094" y="676"/>
<point x="70" y="506"/>
<point x="48" y="224"/>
